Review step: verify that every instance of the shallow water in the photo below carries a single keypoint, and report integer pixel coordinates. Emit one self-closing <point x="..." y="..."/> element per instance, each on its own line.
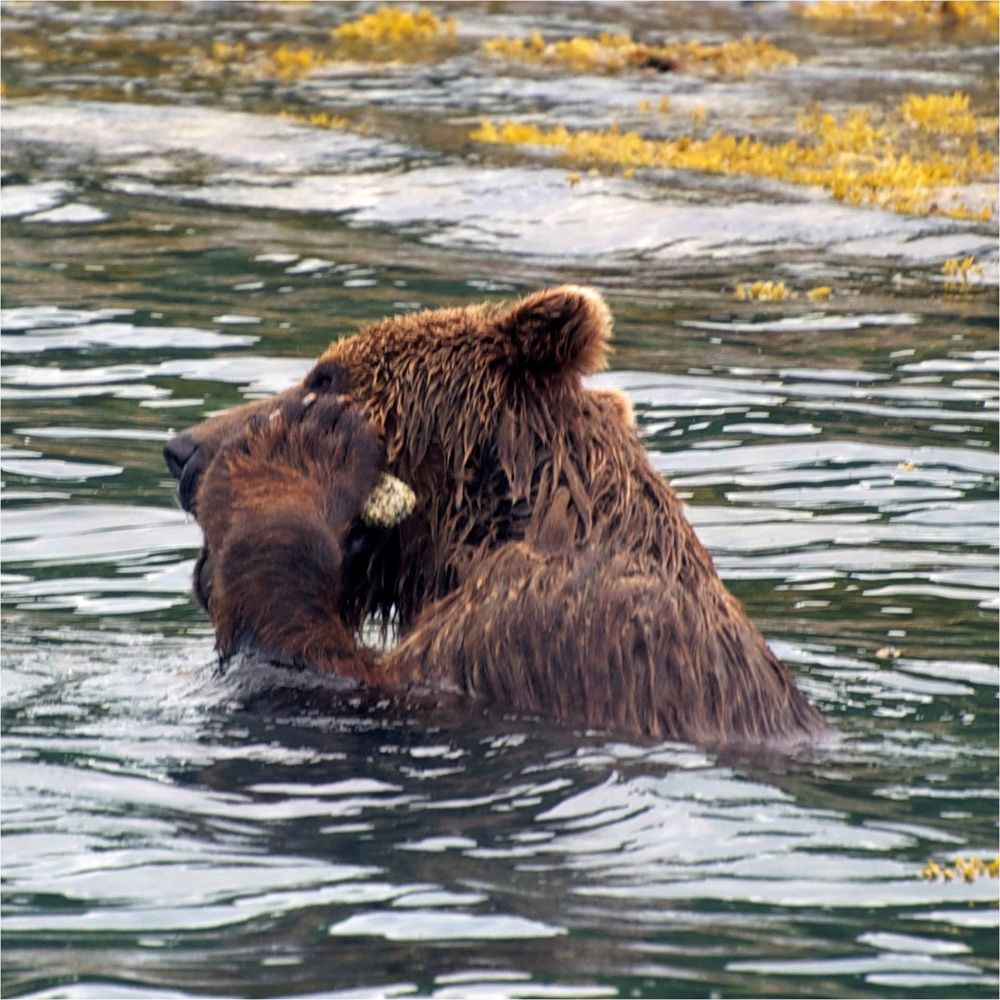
<point x="172" y="247"/>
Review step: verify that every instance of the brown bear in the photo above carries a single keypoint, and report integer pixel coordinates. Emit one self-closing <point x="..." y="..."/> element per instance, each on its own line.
<point x="547" y="568"/>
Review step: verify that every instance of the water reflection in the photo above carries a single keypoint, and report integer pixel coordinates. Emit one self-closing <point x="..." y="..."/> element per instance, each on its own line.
<point x="317" y="828"/>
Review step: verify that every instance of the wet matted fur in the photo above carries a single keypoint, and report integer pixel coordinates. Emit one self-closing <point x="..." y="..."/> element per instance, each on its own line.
<point x="547" y="567"/>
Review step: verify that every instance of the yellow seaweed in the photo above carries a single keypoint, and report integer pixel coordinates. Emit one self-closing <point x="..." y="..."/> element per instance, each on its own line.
<point x="776" y="291"/>
<point x="285" y="61"/>
<point x="978" y="15"/>
<point x="320" y="119"/>
<point x="945" y="114"/>
<point x="859" y="160"/>
<point x="395" y="33"/>
<point x="288" y="62"/>
<point x="968" y="869"/>
<point x="958" y="274"/>
<point x="610" y="53"/>
<point x="762" y="291"/>
<point x="385" y="34"/>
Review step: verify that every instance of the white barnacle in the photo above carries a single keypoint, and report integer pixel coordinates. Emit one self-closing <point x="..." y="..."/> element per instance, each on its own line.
<point x="390" y="502"/>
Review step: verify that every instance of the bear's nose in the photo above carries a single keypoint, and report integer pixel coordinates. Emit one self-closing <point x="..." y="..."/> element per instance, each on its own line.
<point x="177" y="453"/>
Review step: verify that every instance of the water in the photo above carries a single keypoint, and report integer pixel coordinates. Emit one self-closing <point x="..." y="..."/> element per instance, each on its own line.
<point x="172" y="247"/>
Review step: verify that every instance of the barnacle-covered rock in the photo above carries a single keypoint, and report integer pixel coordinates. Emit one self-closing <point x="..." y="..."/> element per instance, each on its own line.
<point x="389" y="503"/>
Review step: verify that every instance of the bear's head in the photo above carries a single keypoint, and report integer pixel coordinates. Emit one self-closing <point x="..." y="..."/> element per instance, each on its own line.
<point x="485" y="415"/>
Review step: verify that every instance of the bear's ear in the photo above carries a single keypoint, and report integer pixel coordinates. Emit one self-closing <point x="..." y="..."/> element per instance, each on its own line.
<point x="558" y="330"/>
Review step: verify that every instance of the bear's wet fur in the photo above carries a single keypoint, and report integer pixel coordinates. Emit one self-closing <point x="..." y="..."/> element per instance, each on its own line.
<point x="547" y="569"/>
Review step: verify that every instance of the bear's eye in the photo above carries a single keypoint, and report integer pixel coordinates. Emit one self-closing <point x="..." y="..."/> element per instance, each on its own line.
<point x="326" y="377"/>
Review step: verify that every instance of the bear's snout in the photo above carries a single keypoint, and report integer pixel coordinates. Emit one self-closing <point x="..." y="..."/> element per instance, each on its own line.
<point x="183" y="456"/>
<point x="177" y="451"/>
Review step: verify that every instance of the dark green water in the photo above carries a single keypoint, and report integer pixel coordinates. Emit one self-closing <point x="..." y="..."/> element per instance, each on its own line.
<point x="171" y="247"/>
